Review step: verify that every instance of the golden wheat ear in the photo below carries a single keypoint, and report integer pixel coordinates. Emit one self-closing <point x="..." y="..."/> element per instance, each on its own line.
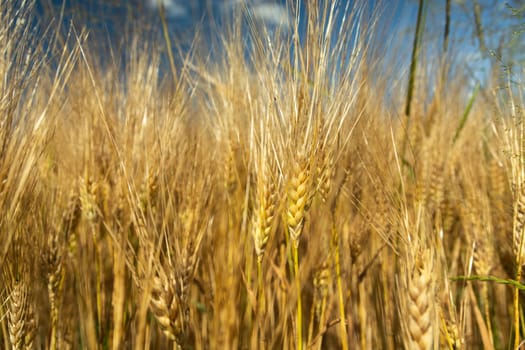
<point x="299" y="195"/>
<point x="21" y="317"/>
<point x="420" y="304"/>
<point x="166" y="307"/>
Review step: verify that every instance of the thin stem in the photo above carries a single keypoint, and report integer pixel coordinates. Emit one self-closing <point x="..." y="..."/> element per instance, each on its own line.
<point x="165" y="31"/>
<point x="311" y="323"/>
<point x="261" y="306"/>
<point x="447" y="27"/>
<point x="479" y="27"/>
<point x="517" y="310"/>
<point x="299" y="314"/>
<point x="420" y="25"/>
<point x="322" y="320"/>
<point x="260" y="286"/>
<point x="486" y="307"/>
<point x="337" y="262"/>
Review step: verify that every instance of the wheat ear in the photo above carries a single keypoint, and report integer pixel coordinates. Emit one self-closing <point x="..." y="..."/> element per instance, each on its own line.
<point x="420" y="305"/>
<point x="263" y="222"/>
<point x="165" y="305"/>
<point x="264" y="216"/>
<point x="19" y="313"/>
<point x="298" y="199"/>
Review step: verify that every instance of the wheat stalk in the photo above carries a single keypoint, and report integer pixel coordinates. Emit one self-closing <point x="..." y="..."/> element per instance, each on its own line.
<point x="264" y="218"/>
<point x="299" y="197"/>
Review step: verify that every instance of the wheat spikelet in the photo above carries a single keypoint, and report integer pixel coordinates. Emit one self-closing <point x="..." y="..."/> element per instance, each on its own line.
<point x="230" y="180"/>
<point x="88" y="200"/>
<point x="423" y="176"/>
<point x="55" y="277"/>
<point x="477" y="227"/>
<point x="54" y="260"/>
<point x="189" y="263"/>
<point x="70" y="221"/>
<point x="519" y="225"/>
<point x="448" y="214"/>
<point x="264" y="216"/>
<point x="498" y="184"/>
<point x="450" y="330"/>
<point x="72" y="215"/>
<point x="148" y="192"/>
<point x="298" y="199"/>
<point x="18" y="310"/>
<point x="325" y="173"/>
<point x="193" y="230"/>
<point x="450" y="335"/>
<point x="419" y="323"/>
<point x="379" y="218"/>
<point x="483" y="254"/>
<point x="321" y="284"/>
<point x="121" y="209"/>
<point x="30" y="328"/>
<point x="436" y="186"/>
<point x="321" y="289"/>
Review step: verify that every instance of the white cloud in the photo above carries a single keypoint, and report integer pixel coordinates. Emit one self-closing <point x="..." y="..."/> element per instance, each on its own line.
<point x="264" y="11"/>
<point x="173" y="7"/>
<point x="272" y="14"/>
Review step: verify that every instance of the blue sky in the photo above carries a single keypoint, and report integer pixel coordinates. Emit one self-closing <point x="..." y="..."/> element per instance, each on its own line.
<point x="116" y="18"/>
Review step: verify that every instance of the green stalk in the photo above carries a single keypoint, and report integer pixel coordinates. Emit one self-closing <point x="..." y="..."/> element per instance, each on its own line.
<point x="420" y="26"/>
<point x="504" y="281"/>
<point x="466" y="113"/>
<point x="447" y="27"/>
<point x="519" y="264"/>
<point x="165" y="31"/>
<point x="479" y="27"/>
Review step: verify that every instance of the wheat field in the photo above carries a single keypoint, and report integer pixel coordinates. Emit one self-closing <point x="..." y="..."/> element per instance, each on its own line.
<point x="275" y="197"/>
